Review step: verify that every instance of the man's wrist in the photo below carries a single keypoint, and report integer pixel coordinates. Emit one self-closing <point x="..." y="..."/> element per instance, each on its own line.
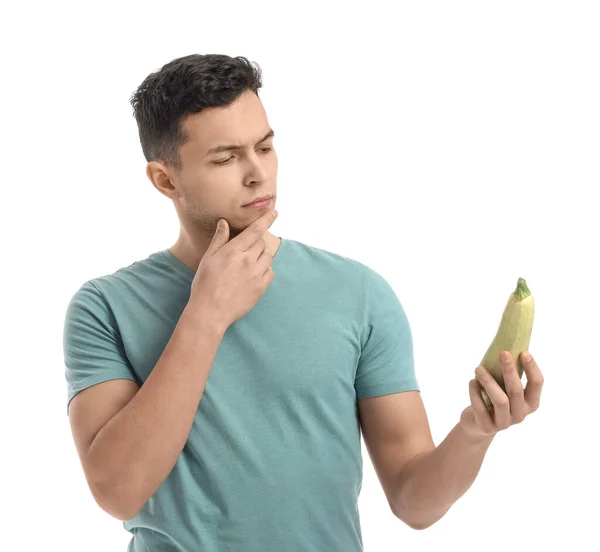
<point x="203" y="314"/>
<point x="475" y="436"/>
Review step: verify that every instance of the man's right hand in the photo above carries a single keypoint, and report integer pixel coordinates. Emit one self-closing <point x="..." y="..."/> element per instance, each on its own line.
<point x="233" y="275"/>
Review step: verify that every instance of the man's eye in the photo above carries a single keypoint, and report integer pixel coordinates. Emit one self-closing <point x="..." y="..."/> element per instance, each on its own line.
<point x="223" y="162"/>
<point x="226" y="161"/>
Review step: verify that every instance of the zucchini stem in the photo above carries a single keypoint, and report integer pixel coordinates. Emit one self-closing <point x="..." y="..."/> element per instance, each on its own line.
<point x="522" y="291"/>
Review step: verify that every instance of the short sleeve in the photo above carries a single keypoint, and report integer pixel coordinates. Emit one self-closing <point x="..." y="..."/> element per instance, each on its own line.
<point x="386" y="363"/>
<point x="93" y="349"/>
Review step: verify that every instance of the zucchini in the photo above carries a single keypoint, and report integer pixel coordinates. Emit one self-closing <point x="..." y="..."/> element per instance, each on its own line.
<point x="513" y="335"/>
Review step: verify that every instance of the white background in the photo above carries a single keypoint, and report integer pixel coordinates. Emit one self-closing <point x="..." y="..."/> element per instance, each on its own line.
<point x="450" y="146"/>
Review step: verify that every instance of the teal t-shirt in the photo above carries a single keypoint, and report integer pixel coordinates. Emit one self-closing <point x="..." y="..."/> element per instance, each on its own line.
<point x="273" y="460"/>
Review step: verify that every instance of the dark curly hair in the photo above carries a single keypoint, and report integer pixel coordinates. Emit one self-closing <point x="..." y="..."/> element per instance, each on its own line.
<point x="184" y="86"/>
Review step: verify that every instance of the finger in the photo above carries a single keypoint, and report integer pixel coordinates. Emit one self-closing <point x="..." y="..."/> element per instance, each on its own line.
<point x="247" y="238"/>
<point x="265" y="260"/>
<point x="257" y="250"/>
<point x="501" y="413"/>
<point x="514" y="389"/>
<point x="535" y="381"/>
<point x="480" y="409"/>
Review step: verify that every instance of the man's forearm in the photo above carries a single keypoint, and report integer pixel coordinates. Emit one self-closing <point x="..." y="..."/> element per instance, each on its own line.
<point x="136" y="450"/>
<point x="432" y="482"/>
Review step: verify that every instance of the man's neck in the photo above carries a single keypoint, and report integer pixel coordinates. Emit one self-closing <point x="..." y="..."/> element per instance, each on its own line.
<point x="189" y="257"/>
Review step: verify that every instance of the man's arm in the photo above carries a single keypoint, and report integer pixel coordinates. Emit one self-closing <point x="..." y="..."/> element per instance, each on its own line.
<point x="134" y="452"/>
<point x="430" y="483"/>
<point x="422" y="481"/>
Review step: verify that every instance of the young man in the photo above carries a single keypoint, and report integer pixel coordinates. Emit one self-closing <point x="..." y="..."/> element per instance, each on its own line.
<point x="217" y="389"/>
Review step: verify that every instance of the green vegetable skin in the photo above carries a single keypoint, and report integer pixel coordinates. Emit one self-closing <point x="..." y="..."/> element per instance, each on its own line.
<point x="513" y="335"/>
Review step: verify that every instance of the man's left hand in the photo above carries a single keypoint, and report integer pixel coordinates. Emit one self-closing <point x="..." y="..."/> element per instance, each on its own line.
<point x="510" y="407"/>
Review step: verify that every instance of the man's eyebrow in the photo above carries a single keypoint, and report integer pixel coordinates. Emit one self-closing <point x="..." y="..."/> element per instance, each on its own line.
<point x="221" y="148"/>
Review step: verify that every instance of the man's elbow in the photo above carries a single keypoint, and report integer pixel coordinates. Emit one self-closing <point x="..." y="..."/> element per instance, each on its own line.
<point x="112" y="507"/>
<point x="121" y="515"/>
<point x="418" y="524"/>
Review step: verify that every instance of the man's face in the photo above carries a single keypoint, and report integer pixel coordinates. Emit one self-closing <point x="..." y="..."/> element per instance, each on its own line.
<point x="218" y="185"/>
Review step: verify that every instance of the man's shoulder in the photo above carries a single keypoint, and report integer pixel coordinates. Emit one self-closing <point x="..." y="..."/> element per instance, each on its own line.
<point x="337" y="261"/>
<point x="122" y="278"/>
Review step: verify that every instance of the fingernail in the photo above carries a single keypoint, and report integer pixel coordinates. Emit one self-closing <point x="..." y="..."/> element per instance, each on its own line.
<point x="504" y="356"/>
<point x="526" y="356"/>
